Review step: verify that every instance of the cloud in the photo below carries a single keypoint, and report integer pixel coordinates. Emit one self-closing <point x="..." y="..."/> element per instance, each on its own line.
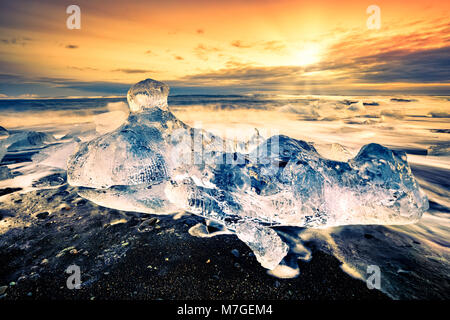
<point x="248" y="73"/>
<point x="357" y="63"/>
<point x="16" y="41"/>
<point x="203" y="48"/>
<point x="405" y="66"/>
<point x="401" y="100"/>
<point x="371" y="103"/>
<point x="439" y="114"/>
<point x="237" y="64"/>
<point x="420" y="56"/>
<point x="16" y="85"/>
<point x="272" y="45"/>
<point x="203" y="51"/>
<point x="348" y="57"/>
<point x="397" y="114"/>
<point x="356" y="107"/>
<point x="240" y="44"/>
<point x="275" y="46"/>
<point x="3" y="95"/>
<point x="132" y="70"/>
<point x="82" y="68"/>
<point x="428" y="65"/>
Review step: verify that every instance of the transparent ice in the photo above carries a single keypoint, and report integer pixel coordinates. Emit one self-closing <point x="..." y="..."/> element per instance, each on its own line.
<point x="154" y="163"/>
<point x="26" y="140"/>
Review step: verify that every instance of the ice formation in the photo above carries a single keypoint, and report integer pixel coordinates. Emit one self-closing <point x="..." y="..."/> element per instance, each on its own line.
<point x="3" y="132"/>
<point x="27" y="140"/>
<point x="154" y="163"/>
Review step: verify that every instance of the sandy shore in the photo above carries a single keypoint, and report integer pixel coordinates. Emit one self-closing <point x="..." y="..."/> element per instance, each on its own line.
<point x="129" y="256"/>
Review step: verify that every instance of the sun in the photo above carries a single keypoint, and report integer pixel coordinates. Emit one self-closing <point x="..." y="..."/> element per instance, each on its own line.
<point x="307" y="55"/>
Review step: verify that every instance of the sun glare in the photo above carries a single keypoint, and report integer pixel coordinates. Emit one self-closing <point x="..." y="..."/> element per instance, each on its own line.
<point x="309" y="54"/>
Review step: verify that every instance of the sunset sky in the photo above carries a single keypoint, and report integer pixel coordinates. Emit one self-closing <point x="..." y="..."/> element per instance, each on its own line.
<point x="204" y="47"/>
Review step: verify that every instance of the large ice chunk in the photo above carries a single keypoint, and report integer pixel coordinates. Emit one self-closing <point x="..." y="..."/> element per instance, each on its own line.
<point x="155" y="163"/>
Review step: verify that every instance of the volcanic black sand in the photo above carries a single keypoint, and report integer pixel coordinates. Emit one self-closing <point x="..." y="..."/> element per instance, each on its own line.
<point x="126" y="256"/>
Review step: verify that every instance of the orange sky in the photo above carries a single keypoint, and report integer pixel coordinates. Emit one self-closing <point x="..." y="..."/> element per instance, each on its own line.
<point x="300" y="46"/>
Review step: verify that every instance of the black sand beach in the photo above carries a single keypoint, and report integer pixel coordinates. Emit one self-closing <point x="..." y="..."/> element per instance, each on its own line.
<point x="121" y="258"/>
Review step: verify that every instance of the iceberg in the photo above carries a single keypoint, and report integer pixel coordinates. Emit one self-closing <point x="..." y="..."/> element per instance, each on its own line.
<point x="154" y="163"/>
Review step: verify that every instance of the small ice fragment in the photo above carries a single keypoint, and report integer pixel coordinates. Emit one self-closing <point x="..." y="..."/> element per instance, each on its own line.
<point x="28" y="139"/>
<point x="5" y="173"/>
<point x="284" y="272"/>
<point x="267" y="246"/>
